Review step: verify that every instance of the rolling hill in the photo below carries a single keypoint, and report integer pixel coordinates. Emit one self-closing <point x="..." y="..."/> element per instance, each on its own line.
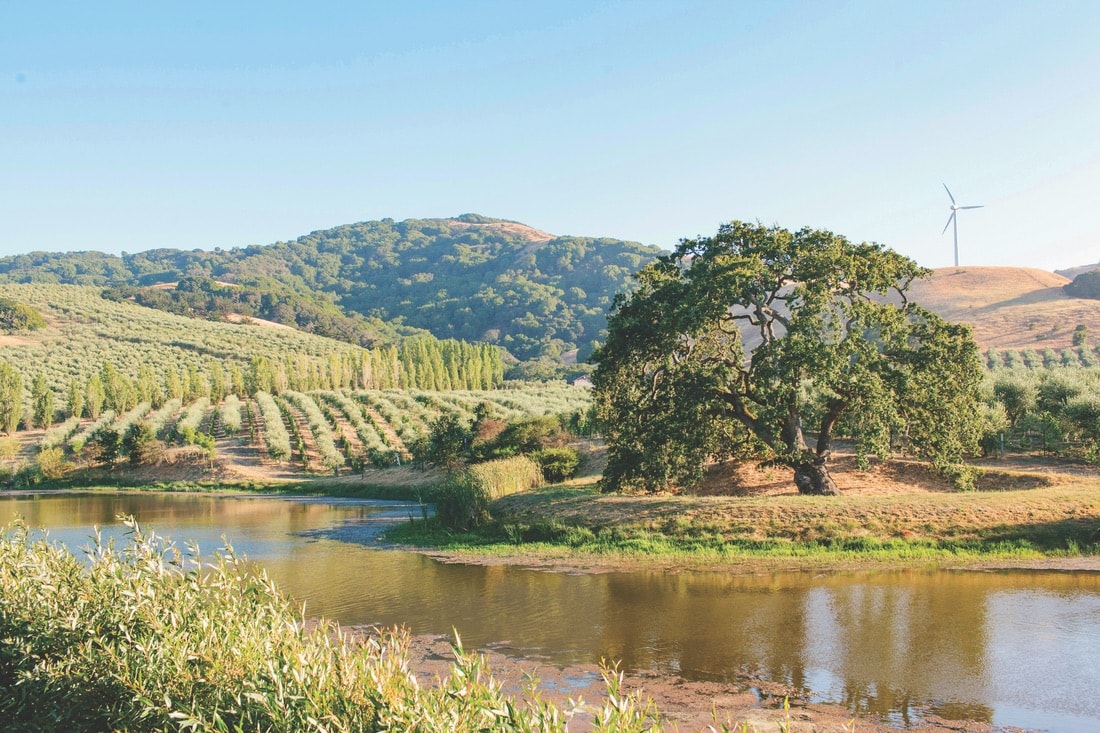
<point x="1009" y="307"/>
<point x="471" y="277"/>
<point x="479" y="279"/>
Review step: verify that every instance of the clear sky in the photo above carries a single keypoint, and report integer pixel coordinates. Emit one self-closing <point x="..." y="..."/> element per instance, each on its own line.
<point x="128" y="126"/>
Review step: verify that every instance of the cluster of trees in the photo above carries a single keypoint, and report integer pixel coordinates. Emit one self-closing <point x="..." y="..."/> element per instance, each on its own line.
<point x="471" y="278"/>
<point x="15" y="316"/>
<point x="1081" y="355"/>
<point x="90" y="331"/>
<point x="323" y="430"/>
<point x="453" y="440"/>
<point x="424" y="363"/>
<point x="487" y="457"/>
<point x="839" y="352"/>
<point x="1051" y="410"/>
<point x="1085" y="285"/>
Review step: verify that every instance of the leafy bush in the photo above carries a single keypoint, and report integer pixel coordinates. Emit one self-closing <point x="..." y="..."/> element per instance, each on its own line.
<point x="276" y="438"/>
<point x="51" y="463"/>
<point x="448" y="441"/>
<point x="230" y="412"/>
<point x="141" y="444"/>
<point x="57" y="435"/>
<point x="187" y="427"/>
<point x="557" y="464"/>
<point x="16" y="316"/>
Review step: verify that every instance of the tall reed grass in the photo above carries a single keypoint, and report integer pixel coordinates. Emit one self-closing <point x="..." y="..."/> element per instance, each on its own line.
<point x="463" y="498"/>
<point x="152" y="638"/>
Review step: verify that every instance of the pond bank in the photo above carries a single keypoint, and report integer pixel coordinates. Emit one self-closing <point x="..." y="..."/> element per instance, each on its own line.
<point x="686" y="706"/>
<point x="575" y="528"/>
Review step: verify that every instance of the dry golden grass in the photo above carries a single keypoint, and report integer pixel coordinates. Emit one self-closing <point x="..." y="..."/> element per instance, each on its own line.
<point x="1009" y="307"/>
<point x="894" y="500"/>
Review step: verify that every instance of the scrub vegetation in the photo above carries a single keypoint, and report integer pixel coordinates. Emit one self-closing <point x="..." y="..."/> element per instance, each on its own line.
<point x="148" y="637"/>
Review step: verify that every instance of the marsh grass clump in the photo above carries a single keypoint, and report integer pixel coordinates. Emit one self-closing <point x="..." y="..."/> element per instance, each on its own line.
<point x="151" y="638"/>
<point x="464" y="496"/>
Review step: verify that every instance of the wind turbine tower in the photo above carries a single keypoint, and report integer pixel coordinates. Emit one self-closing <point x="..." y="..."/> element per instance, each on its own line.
<point x="953" y="220"/>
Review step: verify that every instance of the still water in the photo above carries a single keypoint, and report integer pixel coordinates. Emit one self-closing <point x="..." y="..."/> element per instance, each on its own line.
<point x="1011" y="648"/>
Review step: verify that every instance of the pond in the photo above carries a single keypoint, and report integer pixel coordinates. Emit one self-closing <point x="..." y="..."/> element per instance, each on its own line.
<point x="1013" y="648"/>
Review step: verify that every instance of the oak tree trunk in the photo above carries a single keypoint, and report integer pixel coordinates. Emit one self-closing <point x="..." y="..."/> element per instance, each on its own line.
<point x="812" y="478"/>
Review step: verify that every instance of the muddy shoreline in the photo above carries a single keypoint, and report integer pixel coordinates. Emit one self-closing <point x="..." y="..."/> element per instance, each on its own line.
<point x="685" y="706"/>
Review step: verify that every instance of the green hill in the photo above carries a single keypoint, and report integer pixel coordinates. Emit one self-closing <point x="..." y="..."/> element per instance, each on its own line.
<point x="83" y="331"/>
<point x="471" y="278"/>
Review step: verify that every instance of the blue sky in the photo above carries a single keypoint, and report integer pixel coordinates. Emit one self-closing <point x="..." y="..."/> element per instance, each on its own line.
<point x="128" y="126"/>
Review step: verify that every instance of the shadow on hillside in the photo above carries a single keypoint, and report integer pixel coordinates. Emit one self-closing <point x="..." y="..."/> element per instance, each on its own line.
<point x="1046" y="295"/>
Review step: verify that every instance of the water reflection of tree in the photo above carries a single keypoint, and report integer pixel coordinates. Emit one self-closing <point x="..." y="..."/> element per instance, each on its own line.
<point x="709" y="627"/>
<point x="894" y="644"/>
<point x="910" y="641"/>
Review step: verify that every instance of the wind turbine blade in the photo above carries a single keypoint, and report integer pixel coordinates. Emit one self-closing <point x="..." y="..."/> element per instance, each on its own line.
<point x="948" y="222"/>
<point x="945" y="188"/>
<point x="972" y="207"/>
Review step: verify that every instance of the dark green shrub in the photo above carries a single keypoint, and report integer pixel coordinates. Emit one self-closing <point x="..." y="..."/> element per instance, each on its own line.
<point x="448" y="441"/>
<point x="1085" y="285"/>
<point x="19" y="317"/>
<point x="557" y="464"/>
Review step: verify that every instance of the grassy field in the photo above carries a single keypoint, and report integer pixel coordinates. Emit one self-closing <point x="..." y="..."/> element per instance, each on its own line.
<point x="1059" y="516"/>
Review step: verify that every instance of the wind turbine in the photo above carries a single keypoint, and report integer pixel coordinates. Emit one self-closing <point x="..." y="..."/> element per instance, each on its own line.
<point x="954" y="219"/>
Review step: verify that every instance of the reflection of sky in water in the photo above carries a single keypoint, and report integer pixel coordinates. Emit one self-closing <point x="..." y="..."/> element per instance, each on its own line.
<point x="1012" y="649"/>
<point x="259" y="528"/>
<point x="1041" y="641"/>
<point x="209" y="540"/>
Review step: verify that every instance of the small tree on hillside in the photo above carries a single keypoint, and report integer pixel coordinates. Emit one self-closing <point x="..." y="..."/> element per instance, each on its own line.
<point x="835" y="344"/>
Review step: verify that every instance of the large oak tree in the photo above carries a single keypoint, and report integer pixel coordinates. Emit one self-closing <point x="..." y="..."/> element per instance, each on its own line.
<point x="765" y="342"/>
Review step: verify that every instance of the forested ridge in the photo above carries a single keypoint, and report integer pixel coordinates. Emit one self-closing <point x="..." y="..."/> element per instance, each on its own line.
<point x="471" y="278"/>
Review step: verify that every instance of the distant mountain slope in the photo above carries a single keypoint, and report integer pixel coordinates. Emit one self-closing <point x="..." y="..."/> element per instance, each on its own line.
<point x="1009" y="307"/>
<point x="471" y="277"/>
<point x="1073" y="272"/>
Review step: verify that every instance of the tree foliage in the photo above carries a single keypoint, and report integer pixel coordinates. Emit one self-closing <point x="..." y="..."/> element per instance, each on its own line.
<point x="1085" y="285"/>
<point x="11" y="398"/>
<point x="15" y="316"/>
<point x="738" y="343"/>
<point x="42" y="401"/>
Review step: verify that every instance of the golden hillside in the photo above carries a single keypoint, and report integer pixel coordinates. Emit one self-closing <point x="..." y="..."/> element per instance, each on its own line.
<point x="1009" y="307"/>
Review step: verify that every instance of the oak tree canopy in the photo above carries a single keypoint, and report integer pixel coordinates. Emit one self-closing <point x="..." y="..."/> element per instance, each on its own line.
<point x="764" y="342"/>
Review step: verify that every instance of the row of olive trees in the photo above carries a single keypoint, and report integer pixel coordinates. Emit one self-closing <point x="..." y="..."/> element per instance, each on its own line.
<point x="1052" y="410"/>
<point x="1048" y="358"/>
<point x="109" y="388"/>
